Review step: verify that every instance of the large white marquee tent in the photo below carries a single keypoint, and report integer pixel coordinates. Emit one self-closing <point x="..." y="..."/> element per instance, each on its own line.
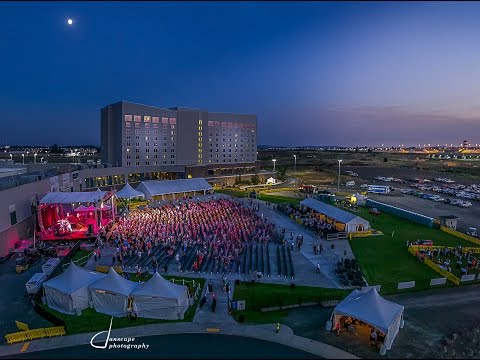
<point x="160" y="299"/>
<point x="153" y="188"/>
<point x="110" y="294"/>
<point x="369" y="307"/>
<point x="68" y="292"/>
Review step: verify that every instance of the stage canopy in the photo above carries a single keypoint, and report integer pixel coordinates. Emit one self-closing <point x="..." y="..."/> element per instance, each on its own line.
<point x="110" y="294"/>
<point x="166" y="187"/>
<point x="368" y="306"/>
<point x="160" y="299"/>
<point x="73" y="197"/>
<point x="128" y="192"/>
<point x="68" y="291"/>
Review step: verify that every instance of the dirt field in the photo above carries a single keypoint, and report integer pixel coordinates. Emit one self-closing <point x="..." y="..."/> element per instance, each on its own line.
<point x="431" y="320"/>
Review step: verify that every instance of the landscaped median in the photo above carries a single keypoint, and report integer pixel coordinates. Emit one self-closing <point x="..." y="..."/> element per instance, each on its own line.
<point x="260" y="299"/>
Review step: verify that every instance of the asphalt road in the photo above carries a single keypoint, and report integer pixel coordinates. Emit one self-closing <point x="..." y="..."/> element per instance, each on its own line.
<point x="429" y="317"/>
<point x="182" y="346"/>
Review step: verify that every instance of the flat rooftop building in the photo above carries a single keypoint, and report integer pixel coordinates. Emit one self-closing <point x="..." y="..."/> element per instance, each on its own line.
<point x="142" y="135"/>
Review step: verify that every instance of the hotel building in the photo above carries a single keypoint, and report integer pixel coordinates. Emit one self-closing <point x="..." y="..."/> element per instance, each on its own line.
<point x="135" y="135"/>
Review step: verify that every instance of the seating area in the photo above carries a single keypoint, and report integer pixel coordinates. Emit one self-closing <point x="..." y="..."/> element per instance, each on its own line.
<point x="349" y="273"/>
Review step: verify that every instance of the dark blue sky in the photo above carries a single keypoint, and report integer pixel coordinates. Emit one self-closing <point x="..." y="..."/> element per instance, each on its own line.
<point x="341" y="73"/>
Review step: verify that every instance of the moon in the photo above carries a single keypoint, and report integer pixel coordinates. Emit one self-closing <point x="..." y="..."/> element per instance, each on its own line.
<point x="69" y="21"/>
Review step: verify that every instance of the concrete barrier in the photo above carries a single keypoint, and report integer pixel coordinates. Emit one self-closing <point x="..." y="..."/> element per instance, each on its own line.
<point x="470" y="277"/>
<point x="438" y="281"/>
<point x="406" y="285"/>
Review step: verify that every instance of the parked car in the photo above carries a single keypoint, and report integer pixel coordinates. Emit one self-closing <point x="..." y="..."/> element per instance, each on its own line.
<point x="423" y="242"/>
<point x="472" y="232"/>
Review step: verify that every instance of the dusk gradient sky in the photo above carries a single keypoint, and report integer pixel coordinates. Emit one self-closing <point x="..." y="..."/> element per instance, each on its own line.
<point x="315" y="73"/>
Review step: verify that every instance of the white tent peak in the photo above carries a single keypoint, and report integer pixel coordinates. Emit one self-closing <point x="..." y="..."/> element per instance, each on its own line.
<point x="371" y="308"/>
<point x="115" y="283"/>
<point x="159" y="285"/>
<point x="68" y="292"/>
<point x="128" y="192"/>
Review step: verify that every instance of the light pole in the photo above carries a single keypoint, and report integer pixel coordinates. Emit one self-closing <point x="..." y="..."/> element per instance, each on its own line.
<point x="35" y="158"/>
<point x="295" y="166"/>
<point x="274" y="161"/>
<point x="338" y="186"/>
<point x="23" y="159"/>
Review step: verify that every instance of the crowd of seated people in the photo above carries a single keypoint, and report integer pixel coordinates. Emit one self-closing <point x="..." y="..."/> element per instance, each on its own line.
<point x="219" y="227"/>
<point x="320" y="227"/>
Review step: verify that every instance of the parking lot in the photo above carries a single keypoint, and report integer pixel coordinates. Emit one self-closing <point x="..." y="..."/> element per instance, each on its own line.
<point x="467" y="216"/>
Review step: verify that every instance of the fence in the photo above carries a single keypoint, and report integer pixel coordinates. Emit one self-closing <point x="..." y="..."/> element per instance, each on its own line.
<point x="402" y="213"/>
<point x="80" y="262"/>
<point x="360" y="234"/>
<point x="413" y="250"/>
<point x="34" y="334"/>
<point x="104" y="269"/>
<point x="195" y="284"/>
<point x="460" y="235"/>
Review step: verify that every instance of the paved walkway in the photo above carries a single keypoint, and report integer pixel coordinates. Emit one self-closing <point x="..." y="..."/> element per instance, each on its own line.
<point x="327" y="259"/>
<point x="263" y="332"/>
<point x="221" y="315"/>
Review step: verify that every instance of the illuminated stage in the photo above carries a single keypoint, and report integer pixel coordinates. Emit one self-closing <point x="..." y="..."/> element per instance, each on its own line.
<point x="75" y="215"/>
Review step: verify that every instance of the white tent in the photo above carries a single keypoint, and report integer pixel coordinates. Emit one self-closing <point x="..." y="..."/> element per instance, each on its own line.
<point x="352" y="222"/>
<point x="160" y="299"/>
<point x="369" y="307"/>
<point x="128" y="192"/>
<point x="166" y="187"/>
<point x="110" y="294"/>
<point x="68" y="292"/>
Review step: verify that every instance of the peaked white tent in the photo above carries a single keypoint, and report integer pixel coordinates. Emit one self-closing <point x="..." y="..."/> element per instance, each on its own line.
<point x="128" y="192"/>
<point x="160" y="299"/>
<point x="68" y="292"/>
<point x="369" y="307"/>
<point x="110" y="294"/>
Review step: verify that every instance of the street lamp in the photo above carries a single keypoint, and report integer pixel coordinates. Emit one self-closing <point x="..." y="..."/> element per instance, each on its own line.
<point x="295" y="166"/>
<point x="35" y="158"/>
<point x="23" y="159"/>
<point x="338" y="186"/>
<point x="274" y="161"/>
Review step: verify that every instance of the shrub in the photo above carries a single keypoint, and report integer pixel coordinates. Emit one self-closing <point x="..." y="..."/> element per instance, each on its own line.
<point x="241" y="318"/>
<point x="292" y="286"/>
<point x="237" y="282"/>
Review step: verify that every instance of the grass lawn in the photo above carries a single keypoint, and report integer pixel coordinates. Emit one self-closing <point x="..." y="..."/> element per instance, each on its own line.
<point x="258" y="295"/>
<point x="386" y="261"/>
<point x="233" y="192"/>
<point x="80" y="254"/>
<point x="277" y="199"/>
<point x="90" y="320"/>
